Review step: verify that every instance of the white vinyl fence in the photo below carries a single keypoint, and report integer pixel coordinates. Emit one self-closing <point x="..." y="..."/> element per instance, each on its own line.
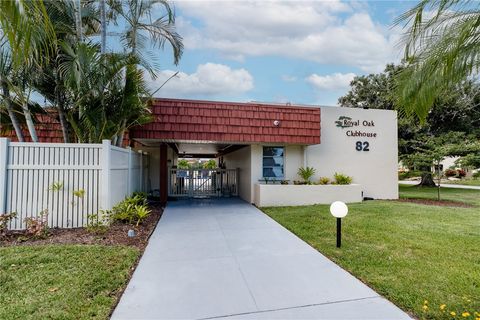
<point x="69" y="181"/>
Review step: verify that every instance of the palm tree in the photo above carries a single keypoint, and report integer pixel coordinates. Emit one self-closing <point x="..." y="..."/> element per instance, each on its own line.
<point x="141" y="28"/>
<point x="49" y="81"/>
<point x="5" y="73"/>
<point x="442" y="49"/>
<point x="26" y="29"/>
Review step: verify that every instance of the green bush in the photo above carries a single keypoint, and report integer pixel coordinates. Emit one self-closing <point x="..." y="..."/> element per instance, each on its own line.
<point x="476" y="175"/>
<point x="341" y="178"/>
<point x="324" y="180"/>
<point x="98" y="223"/>
<point x="306" y="173"/>
<point x="409" y="174"/>
<point x="131" y="210"/>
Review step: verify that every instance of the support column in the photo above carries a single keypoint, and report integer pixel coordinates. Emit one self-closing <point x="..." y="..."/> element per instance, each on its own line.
<point x="163" y="173"/>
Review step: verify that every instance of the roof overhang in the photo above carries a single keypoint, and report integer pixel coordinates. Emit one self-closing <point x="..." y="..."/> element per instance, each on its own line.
<point x="192" y="121"/>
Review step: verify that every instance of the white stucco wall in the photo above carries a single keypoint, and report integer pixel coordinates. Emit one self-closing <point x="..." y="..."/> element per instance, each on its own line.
<point x="241" y="159"/>
<point x="301" y="195"/>
<point x="375" y="170"/>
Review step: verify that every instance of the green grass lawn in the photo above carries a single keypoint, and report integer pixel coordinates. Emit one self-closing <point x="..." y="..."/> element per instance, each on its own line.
<point x="407" y="252"/>
<point x="467" y="182"/>
<point x="62" y="281"/>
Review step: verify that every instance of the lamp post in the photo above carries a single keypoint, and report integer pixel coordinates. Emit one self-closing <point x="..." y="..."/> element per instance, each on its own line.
<point x="338" y="209"/>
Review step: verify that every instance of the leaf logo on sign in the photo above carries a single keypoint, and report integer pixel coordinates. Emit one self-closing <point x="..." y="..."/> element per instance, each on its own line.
<point x="344" y="122"/>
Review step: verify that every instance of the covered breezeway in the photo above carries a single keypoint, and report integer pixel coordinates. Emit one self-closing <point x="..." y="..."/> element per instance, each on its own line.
<point x="220" y="130"/>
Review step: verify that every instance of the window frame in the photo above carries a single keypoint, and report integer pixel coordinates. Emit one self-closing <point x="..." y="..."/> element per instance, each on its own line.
<point x="272" y="167"/>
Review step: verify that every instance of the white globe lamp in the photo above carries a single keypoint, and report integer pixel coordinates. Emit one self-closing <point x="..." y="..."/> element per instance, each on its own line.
<point x="339" y="210"/>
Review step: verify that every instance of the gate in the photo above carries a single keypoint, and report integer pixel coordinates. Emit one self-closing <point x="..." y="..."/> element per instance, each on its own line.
<point x="202" y="182"/>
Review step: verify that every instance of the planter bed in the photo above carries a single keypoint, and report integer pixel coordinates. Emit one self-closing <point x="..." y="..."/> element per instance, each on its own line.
<point x="272" y="195"/>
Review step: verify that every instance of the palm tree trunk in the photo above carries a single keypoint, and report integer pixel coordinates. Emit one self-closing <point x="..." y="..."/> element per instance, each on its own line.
<point x="103" y="20"/>
<point x="11" y="112"/>
<point x="29" y="121"/>
<point x="78" y="19"/>
<point x="121" y="134"/>
<point x="60" y="109"/>
<point x="63" y="123"/>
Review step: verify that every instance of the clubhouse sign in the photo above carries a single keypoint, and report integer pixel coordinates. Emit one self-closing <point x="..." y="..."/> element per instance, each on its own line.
<point x="357" y="126"/>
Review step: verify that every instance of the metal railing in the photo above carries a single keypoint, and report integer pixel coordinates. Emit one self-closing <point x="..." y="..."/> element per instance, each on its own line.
<point x="202" y="182"/>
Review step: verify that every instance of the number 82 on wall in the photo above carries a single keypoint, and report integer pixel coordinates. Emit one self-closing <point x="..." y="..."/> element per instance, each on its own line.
<point x="362" y="146"/>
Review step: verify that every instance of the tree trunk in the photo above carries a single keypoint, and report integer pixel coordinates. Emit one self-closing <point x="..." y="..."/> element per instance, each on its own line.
<point x="121" y="134"/>
<point x="63" y="123"/>
<point x="103" y="20"/>
<point x="29" y="121"/>
<point x="78" y="20"/>
<point x="11" y="112"/>
<point x="60" y="108"/>
<point x="427" y="180"/>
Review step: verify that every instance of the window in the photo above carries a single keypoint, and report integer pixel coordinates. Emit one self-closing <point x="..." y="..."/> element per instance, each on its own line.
<point x="273" y="159"/>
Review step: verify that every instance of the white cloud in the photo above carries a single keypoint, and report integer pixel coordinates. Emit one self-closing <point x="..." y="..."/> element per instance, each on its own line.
<point x="335" y="81"/>
<point x="329" y="32"/>
<point x="209" y="79"/>
<point x="288" y="78"/>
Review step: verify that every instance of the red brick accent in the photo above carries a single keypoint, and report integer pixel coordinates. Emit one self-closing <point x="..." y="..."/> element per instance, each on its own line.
<point x="176" y="119"/>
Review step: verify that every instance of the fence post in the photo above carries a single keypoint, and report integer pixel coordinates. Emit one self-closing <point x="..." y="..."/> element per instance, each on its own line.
<point x="106" y="199"/>
<point x="129" y="184"/>
<point x="3" y="174"/>
<point x="140" y="187"/>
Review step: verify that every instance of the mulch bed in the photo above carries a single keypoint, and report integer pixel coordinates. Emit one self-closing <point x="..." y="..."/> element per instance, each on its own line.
<point x="441" y="203"/>
<point x="115" y="235"/>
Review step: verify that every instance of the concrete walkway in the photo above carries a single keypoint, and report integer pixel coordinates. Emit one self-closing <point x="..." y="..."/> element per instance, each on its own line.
<point x="224" y="258"/>
<point x="444" y="185"/>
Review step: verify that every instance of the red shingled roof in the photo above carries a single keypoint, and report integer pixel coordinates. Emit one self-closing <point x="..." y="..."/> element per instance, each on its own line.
<point x="47" y="127"/>
<point x="193" y="120"/>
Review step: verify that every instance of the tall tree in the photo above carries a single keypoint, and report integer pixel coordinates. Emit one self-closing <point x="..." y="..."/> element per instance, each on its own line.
<point x="441" y="48"/>
<point x="141" y="28"/>
<point x="5" y="73"/>
<point x="27" y="29"/>
<point x="456" y="108"/>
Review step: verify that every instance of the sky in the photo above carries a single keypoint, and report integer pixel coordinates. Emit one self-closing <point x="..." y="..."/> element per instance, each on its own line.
<point x="299" y="52"/>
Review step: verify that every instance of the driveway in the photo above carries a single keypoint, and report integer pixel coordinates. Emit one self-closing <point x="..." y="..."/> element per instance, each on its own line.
<point x="224" y="258"/>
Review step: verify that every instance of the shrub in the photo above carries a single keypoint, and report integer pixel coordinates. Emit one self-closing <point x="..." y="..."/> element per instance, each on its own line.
<point x="79" y="193"/>
<point x="210" y="164"/>
<point x="324" y="180"/>
<point x="402" y="175"/>
<point x="141" y="196"/>
<point x="306" y="173"/>
<point x="131" y="210"/>
<point x="476" y="175"/>
<point x="4" y="220"/>
<point x="461" y="173"/>
<point x="183" y="164"/>
<point x="284" y="182"/>
<point x="341" y="178"/>
<point x="37" y="227"/>
<point x="98" y="222"/>
<point x="450" y="173"/>
<point x="142" y="213"/>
